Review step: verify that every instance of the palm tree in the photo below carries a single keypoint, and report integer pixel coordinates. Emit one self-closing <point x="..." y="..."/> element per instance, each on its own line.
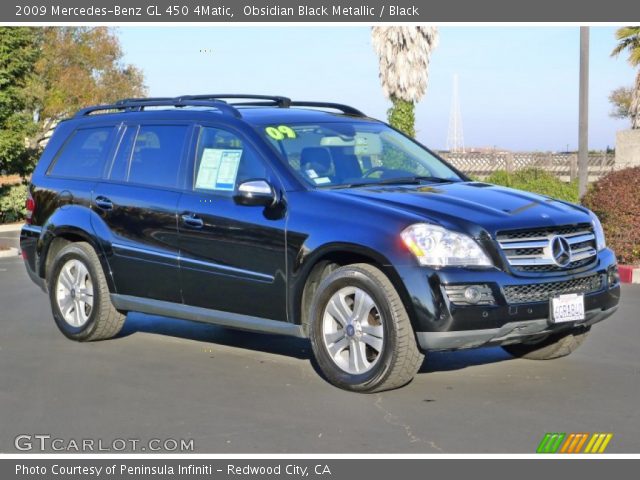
<point x="629" y="41"/>
<point x="404" y="54"/>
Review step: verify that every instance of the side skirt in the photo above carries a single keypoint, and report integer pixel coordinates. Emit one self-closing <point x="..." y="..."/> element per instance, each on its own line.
<point x="205" y="315"/>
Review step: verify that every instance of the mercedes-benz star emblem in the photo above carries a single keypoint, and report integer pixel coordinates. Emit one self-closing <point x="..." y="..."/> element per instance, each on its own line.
<point x="560" y="251"/>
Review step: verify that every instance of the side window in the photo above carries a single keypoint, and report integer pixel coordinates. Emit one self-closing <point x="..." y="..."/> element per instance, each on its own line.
<point x="156" y="155"/>
<point x="84" y="154"/>
<point x="223" y="161"/>
<point x="120" y="166"/>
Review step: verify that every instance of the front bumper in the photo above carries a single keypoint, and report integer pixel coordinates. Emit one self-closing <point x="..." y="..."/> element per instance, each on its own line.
<point x="441" y="324"/>
<point x="512" y="332"/>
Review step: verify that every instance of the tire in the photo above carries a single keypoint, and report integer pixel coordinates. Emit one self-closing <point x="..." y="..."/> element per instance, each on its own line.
<point x="554" y="346"/>
<point x="354" y="309"/>
<point x="77" y="284"/>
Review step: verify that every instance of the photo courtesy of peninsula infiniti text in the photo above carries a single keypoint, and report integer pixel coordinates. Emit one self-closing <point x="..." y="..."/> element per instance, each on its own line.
<point x="308" y="219"/>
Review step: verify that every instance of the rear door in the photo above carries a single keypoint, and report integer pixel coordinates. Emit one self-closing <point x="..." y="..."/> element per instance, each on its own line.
<point x="137" y="204"/>
<point x="232" y="256"/>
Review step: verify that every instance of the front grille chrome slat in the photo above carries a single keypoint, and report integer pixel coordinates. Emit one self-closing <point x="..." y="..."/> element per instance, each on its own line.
<point x="513" y="244"/>
<point x="530" y="250"/>
<point x="541" y="292"/>
<point x="519" y="261"/>
<point x="583" y="253"/>
<point x="587" y="237"/>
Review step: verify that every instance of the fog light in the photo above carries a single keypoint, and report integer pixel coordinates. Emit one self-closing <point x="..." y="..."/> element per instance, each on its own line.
<point x="472" y="295"/>
<point x="613" y="277"/>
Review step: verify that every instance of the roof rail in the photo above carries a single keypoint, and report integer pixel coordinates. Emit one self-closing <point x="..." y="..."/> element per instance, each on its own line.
<point x="139" y="104"/>
<point x="282" y="102"/>
<point x="143" y="99"/>
<point x="217" y="101"/>
<point x="337" y="106"/>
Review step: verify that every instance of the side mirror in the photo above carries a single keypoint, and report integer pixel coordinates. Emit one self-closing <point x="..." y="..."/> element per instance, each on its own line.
<point x="255" y="193"/>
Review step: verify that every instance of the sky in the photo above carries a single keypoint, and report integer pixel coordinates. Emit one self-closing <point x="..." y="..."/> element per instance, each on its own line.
<point x="518" y="86"/>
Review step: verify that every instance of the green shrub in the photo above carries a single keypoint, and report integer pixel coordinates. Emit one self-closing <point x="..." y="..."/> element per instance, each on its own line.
<point x="537" y="181"/>
<point x="12" y="203"/>
<point x="615" y="198"/>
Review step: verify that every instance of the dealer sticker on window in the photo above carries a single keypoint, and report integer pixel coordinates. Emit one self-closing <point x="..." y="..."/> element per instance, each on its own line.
<point x="567" y="308"/>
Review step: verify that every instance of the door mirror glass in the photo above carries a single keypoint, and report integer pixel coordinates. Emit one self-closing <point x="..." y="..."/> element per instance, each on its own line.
<point x="255" y="192"/>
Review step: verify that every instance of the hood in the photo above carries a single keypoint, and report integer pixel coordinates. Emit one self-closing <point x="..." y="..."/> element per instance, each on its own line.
<point x="468" y="204"/>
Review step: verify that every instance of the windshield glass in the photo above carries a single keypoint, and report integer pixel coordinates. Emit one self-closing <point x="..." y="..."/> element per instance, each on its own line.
<point x="352" y="154"/>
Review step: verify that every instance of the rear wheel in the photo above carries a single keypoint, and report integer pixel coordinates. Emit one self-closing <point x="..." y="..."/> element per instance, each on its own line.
<point x="360" y="331"/>
<point x="554" y="346"/>
<point x="79" y="295"/>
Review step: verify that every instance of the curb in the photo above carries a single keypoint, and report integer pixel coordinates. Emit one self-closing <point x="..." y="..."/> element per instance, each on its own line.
<point x="11" y="227"/>
<point x="629" y="273"/>
<point x="12" y="252"/>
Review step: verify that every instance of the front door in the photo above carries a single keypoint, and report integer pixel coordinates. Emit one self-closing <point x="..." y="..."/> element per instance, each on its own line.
<point x="232" y="257"/>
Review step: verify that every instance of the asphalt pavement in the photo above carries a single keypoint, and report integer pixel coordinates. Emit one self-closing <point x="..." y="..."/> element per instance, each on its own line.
<point x="238" y="392"/>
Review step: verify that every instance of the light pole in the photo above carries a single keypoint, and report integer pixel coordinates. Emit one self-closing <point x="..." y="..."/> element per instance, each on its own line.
<point x="583" y="123"/>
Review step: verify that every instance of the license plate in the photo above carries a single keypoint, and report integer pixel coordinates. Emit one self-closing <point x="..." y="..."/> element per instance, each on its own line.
<point x="567" y="308"/>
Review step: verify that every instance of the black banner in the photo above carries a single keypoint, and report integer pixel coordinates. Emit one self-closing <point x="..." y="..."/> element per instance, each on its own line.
<point x="329" y="469"/>
<point x="362" y="11"/>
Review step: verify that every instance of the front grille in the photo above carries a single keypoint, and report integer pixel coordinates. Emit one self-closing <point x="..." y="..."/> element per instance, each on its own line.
<point x="540" y="292"/>
<point x="530" y="250"/>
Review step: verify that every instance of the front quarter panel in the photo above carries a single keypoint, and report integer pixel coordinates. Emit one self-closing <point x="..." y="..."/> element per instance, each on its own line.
<point x="322" y="223"/>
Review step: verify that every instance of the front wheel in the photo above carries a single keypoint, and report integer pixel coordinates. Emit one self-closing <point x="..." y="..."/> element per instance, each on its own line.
<point x="554" y="346"/>
<point x="360" y="331"/>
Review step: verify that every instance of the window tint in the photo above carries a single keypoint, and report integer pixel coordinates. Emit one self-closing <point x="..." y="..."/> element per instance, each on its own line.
<point x="156" y="155"/>
<point x="223" y="161"/>
<point x="120" y="166"/>
<point x="84" y="154"/>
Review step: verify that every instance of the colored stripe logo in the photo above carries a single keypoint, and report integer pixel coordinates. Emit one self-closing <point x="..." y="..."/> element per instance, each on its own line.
<point x="556" y="442"/>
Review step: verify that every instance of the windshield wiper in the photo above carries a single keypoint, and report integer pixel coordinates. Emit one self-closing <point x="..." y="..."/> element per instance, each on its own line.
<point x="417" y="180"/>
<point x="435" y="179"/>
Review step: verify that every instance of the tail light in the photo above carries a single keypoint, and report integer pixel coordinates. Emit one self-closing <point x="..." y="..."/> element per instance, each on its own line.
<point x="30" y="205"/>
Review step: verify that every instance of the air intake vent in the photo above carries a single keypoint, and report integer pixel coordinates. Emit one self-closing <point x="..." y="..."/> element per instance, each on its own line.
<point x="542" y="292"/>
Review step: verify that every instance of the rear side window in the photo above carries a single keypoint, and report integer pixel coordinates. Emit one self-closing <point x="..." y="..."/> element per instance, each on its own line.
<point x="84" y="154"/>
<point x="156" y="155"/>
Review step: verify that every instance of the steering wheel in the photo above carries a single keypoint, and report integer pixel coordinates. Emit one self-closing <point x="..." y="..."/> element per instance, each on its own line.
<point x="373" y="170"/>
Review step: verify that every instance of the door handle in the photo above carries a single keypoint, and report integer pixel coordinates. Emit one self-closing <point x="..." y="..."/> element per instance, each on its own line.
<point x="193" y="221"/>
<point x="103" y="203"/>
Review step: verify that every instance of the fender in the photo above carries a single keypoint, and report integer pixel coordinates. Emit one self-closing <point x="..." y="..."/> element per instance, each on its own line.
<point x="76" y="222"/>
<point x="307" y="259"/>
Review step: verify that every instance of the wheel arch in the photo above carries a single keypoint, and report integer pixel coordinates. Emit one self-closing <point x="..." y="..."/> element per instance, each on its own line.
<point x="310" y="271"/>
<point x="64" y="227"/>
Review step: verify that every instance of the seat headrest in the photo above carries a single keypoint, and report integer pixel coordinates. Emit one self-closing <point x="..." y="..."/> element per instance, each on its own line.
<point x="318" y="158"/>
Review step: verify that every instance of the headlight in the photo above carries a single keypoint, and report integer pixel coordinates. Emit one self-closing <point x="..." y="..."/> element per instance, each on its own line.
<point x="601" y="243"/>
<point x="438" y="247"/>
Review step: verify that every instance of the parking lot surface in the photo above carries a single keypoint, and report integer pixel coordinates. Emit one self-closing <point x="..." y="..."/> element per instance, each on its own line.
<point x="239" y="392"/>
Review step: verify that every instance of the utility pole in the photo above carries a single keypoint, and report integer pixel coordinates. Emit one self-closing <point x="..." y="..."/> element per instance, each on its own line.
<point x="583" y="124"/>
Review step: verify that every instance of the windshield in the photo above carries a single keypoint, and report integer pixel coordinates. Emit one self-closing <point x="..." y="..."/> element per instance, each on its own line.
<point x="353" y="154"/>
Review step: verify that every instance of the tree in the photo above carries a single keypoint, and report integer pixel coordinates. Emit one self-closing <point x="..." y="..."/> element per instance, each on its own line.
<point x="629" y="41"/>
<point x="404" y="54"/>
<point x="18" y="54"/>
<point x="620" y="99"/>
<point x="78" y="66"/>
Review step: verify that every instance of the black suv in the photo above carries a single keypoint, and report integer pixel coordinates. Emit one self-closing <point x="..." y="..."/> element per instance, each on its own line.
<point x="306" y="219"/>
